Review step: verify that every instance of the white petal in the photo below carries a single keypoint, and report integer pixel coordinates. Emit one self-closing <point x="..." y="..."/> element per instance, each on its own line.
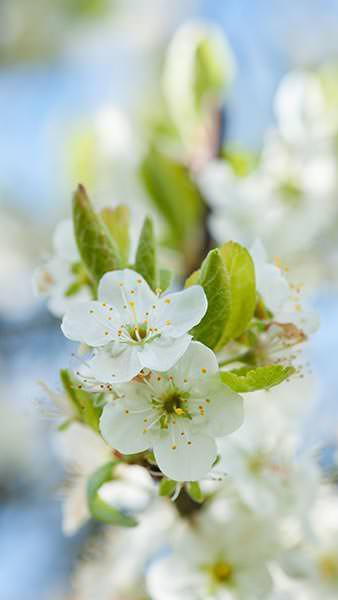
<point x="179" y="312"/>
<point x="273" y="286"/>
<point x="59" y="304"/>
<point x="115" y="365"/>
<point x="91" y="323"/>
<point x="257" y="578"/>
<point x="197" y="362"/>
<point x="163" y="352"/>
<point x="187" y="584"/>
<point x="224" y="410"/>
<point x="64" y="241"/>
<point x="123" y="431"/>
<point x="121" y="288"/>
<point x="258" y="253"/>
<point x="187" y="462"/>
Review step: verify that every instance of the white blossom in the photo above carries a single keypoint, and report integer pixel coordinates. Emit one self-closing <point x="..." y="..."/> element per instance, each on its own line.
<point x="131" y="327"/>
<point x="178" y="414"/>
<point x="62" y="272"/>
<point x="262" y="465"/>
<point x="288" y="201"/>
<point x="216" y="559"/>
<point x="82" y="452"/>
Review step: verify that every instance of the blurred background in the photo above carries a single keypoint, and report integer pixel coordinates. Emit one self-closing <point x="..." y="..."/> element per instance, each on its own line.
<point x="70" y="70"/>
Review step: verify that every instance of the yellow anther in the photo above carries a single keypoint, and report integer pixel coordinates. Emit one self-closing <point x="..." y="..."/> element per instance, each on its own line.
<point x="167" y="301"/>
<point x="203" y="370"/>
<point x="179" y="411"/>
<point x="278" y="262"/>
<point x="173" y="447"/>
<point x="168" y="322"/>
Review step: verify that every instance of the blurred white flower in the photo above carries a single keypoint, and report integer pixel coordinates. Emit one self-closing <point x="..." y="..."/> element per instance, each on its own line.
<point x="300" y="108"/>
<point x="262" y="464"/>
<point x="82" y="451"/>
<point x="131" y="327"/>
<point x="115" y="564"/>
<point x="62" y="279"/>
<point x="315" y="560"/>
<point x="177" y="414"/>
<point x="293" y="319"/>
<point x="216" y="559"/>
<point x="288" y="201"/>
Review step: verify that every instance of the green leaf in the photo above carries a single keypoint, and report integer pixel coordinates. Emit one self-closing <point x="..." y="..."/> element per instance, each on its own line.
<point x="99" y="509"/>
<point x="209" y="76"/>
<point x="174" y="194"/>
<point x="248" y="379"/>
<point x="146" y="259"/>
<point x="193" y="278"/>
<point x="164" y="279"/>
<point x="167" y="487"/>
<point x="83" y="402"/>
<point x="213" y="278"/>
<point x="118" y="221"/>
<point x="242" y="299"/>
<point x="194" y="491"/>
<point x="97" y="248"/>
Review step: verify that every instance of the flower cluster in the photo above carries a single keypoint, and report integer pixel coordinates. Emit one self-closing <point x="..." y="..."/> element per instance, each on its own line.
<point x="183" y="419"/>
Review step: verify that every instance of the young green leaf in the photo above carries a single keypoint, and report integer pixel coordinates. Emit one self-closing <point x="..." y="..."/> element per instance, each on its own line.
<point x="97" y="248"/>
<point x="118" y="220"/>
<point x="175" y="195"/>
<point x="193" y="278"/>
<point x="167" y="487"/>
<point x="146" y="259"/>
<point x="99" y="509"/>
<point x="249" y="379"/>
<point x="83" y="402"/>
<point x="194" y="491"/>
<point x="242" y="288"/>
<point x="214" y="280"/>
<point x="164" y="279"/>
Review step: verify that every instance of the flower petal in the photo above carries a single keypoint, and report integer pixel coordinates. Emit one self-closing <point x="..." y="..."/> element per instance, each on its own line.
<point x="115" y="365"/>
<point x="197" y="362"/>
<point x="179" y="312"/>
<point x="188" y="583"/>
<point x="183" y="461"/>
<point x="64" y="241"/>
<point x="163" y="352"/>
<point x="90" y="323"/>
<point x="122" y="430"/>
<point x="129" y="293"/>
<point x="270" y="280"/>
<point x="224" y="410"/>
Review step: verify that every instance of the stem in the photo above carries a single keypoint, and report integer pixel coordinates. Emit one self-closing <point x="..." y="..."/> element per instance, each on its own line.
<point x="239" y="358"/>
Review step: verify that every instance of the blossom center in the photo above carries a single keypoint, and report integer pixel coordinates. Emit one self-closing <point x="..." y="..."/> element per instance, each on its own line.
<point x="138" y="332"/>
<point x="170" y="406"/>
<point x="328" y="566"/>
<point x="222" y="571"/>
